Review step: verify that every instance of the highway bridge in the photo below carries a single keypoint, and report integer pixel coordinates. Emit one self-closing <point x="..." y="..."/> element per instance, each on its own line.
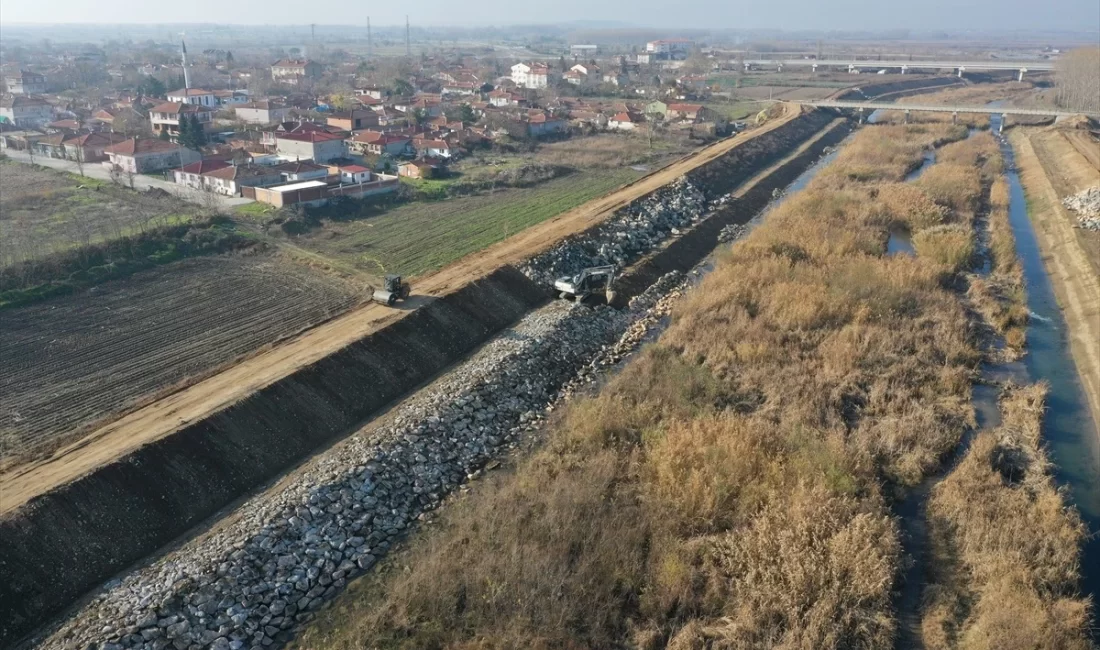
<point x="933" y="108"/>
<point x="856" y="65"/>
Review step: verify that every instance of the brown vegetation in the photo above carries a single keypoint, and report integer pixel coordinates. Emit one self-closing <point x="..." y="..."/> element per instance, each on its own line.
<point x="731" y="487"/>
<point x="1006" y="545"/>
<point x="1077" y="84"/>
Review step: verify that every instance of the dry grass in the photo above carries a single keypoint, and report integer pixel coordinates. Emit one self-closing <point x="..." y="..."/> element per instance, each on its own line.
<point x="729" y="488"/>
<point x="1006" y="544"/>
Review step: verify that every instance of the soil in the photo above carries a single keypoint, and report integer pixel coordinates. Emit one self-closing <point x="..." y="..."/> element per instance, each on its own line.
<point x="1050" y="169"/>
<point x="166" y="415"/>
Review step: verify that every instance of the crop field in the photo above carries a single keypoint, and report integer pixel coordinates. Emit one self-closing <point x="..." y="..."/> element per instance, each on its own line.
<point x="423" y="236"/>
<point x="72" y="361"/>
<point x="43" y="211"/>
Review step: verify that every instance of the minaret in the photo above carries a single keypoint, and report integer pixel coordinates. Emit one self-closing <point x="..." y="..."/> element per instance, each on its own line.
<point x="369" y="52"/>
<point x="186" y="73"/>
<point x="407" y="50"/>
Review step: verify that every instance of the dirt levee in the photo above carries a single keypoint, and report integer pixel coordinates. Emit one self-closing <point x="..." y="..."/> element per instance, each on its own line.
<point x="63" y="543"/>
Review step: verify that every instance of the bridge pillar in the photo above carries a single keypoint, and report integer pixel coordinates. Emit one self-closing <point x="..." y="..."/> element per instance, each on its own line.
<point x="955" y="117"/>
<point x="747" y="66"/>
<point x="851" y="68"/>
<point x="907" y="116"/>
<point x="779" y="68"/>
<point x="1004" y="118"/>
<point x="961" y="71"/>
<point x="861" y="115"/>
<point x="813" y="68"/>
<point x="904" y="69"/>
<point x="1021" y="77"/>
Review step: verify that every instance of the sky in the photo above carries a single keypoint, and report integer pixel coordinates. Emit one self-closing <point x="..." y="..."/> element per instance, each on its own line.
<point x="1075" y="15"/>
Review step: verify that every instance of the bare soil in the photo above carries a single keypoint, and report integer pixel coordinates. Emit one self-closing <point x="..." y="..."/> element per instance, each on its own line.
<point x="1047" y="162"/>
<point x="72" y="361"/>
<point x="165" y="415"/>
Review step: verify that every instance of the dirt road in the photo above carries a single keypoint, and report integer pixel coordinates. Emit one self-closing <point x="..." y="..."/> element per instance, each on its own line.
<point x="1075" y="280"/>
<point x="166" y="415"/>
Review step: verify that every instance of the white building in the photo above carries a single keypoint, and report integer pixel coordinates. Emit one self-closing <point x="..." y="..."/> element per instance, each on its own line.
<point x="196" y="96"/>
<point x="533" y="75"/>
<point x="25" y="82"/>
<point x="670" y="46"/>
<point x="25" y="111"/>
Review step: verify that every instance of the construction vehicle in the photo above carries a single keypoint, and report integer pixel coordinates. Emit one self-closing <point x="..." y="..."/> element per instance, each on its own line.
<point x="590" y="281"/>
<point x="393" y="289"/>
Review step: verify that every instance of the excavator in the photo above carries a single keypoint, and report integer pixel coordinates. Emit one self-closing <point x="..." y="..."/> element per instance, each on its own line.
<point x="392" y="290"/>
<point x="588" y="282"/>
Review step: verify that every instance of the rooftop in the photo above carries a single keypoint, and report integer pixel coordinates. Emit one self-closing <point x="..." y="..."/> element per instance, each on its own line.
<point x="293" y="187"/>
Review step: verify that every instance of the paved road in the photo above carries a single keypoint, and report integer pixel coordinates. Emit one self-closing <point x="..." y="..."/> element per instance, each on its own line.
<point x="992" y="64"/>
<point x="933" y="108"/>
<point x="141" y="182"/>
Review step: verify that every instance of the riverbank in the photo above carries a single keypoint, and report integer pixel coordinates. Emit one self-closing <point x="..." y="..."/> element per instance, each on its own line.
<point x="734" y="483"/>
<point x="1076" y="283"/>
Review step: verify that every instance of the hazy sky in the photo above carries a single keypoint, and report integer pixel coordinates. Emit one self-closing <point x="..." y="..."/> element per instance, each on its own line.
<point x="1078" y="15"/>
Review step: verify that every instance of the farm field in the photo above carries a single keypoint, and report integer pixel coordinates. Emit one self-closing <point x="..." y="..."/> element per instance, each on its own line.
<point x="419" y="237"/>
<point x="43" y="211"/>
<point x="74" y="360"/>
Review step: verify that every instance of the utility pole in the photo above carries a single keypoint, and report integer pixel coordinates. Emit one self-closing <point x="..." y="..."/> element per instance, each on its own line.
<point x="369" y="49"/>
<point x="408" y="50"/>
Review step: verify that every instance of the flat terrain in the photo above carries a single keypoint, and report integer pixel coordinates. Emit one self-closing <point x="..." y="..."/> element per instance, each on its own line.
<point x="44" y="211"/>
<point x="71" y="361"/>
<point x="1050" y="169"/>
<point x="166" y="414"/>
<point x="423" y="236"/>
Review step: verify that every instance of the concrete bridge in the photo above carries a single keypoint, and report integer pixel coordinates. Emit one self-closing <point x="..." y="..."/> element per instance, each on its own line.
<point x="854" y="65"/>
<point x="932" y="108"/>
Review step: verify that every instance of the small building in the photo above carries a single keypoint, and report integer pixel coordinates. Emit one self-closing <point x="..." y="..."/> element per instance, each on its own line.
<point x="196" y="96"/>
<point x="583" y="50"/>
<point x="190" y="175"/>
<point x="294" y="71"/>
<point x="304" y="192"/>
<point x="541" y="124"/>
<point x="670" y="46"/>
<point x="302" y="170"/>
<point x="353" y="120"/>
<point x="261" y="112"/>
<point x="374" y="92"/>
<point x="165" y="118"/>
<point x="90" y="146"/>
<point x="232" y="179"/>
<point x="25" y="82"/>
<point x="25" y="111"/>
<point x="432" y="148"/>
<point x="685" y="112"/>
<point x="353" y="174"/>
<point x="318" y="146"/>
<point x="625" y="121"/>
<point x="230" y="97"/>
<point x="389" y="145"/>
<point x="143" y="155"/>
<point x="424" y="168"/>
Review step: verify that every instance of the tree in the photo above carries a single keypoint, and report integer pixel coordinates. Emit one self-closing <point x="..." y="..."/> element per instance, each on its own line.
<point x="228" y="60"/>
<point x="420" y="116"/>
<point x="466" y="114"/>
<point x="402" y="87"/>
<point x="1077" y="81"/>
<point x="197" y="133"/>
<point x="562" y="63"/>
<point x="184" y="135"/>
<point x="152" y="87"/>
<point x="79" y="158"/>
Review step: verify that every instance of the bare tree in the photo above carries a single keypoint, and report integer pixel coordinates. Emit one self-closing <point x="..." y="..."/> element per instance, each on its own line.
<point x="130" y="178"/>
<point x="1078" y="81"/>
<point x="79" y="158"/>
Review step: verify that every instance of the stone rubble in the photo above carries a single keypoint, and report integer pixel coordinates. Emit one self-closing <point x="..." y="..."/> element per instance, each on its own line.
<point x="249" y="583"/>
<point x="732" y="232"/>
<point x="1087" y="206"/>
<point x="628" y="234"/>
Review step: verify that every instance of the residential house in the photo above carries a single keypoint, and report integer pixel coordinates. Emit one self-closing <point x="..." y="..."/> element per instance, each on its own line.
<point x="231" y="180"/>
<point x="374" y="92"/>
<point x="693" y="82"/>
<point x="461" y="88"/>
<point x="531" y="75"/>
<point x="351" y="174"/>
<point x="684" y="112"/>
<point x="625" y="121"/>
<point x="25" y="110"/>
<point x="142" y="155"/>
<point x="25" y="82"/>
<point x="576" y="78"/>
<point x="589" y="118"/>
<point x="318" y="146"/>
<point x="90" y="146"/>
<point x="540" y="124"/>
<point x="293" y="71"/>
<point x="190" y="175"/>
<point x="196" y="96"/>
<point x="432" y="148"/>
<point x="353" y="120"/>
<point x="20" y="140"/>
<point x="268" y="137"/>
<point x="231" y="97"/>
<point x="302" y="170"/>
<point x="389" y="145"/>
<point x="502" y="98"/>
<point x="580" y="50"/>
<point x="165" y="118"/>
<point x="69" y="126"/>
<point x="615" y="78"/>
<point x="656" y="109"/>
<point x="51" y="145"/>
<point x="261" y="112"/>
<point x="420" y="168"/>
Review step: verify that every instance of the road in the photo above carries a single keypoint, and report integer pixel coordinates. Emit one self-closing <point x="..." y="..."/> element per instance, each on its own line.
<point x="141" y="182"/>
<point x="990" y="64"/>
<point x="168" y="414"/>
<point x="934" y="108"/>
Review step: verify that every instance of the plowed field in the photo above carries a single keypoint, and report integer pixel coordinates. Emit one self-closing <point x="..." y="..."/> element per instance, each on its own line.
<point x="69" y="362"/>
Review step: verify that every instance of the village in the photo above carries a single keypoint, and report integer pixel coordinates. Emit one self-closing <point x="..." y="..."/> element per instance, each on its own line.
<point x="303" y="132"/>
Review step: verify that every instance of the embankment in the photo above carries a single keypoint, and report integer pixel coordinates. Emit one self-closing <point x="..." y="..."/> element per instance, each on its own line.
<point x="61" y="544"/>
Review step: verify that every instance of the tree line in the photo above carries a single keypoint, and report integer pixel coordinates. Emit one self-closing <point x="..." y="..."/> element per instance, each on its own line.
<point x="1077" y="80"/>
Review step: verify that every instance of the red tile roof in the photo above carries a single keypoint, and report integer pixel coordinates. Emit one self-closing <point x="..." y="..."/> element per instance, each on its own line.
<point x="204" y="166"/>
<point x="189" y="92"/>
<point x="138" y="146"/>
<point x="685" y="108"/>
<point x="310" y="136"/>
<point x="177" y="108"/>
<point x="354" y="169"/>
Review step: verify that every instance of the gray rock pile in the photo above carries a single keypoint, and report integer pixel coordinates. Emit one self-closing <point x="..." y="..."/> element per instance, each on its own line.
<point x="249" y="583"/>
<point x="1087" y="206"/>
<point x="732" y="232"/>
<point x="630" y="233"/>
